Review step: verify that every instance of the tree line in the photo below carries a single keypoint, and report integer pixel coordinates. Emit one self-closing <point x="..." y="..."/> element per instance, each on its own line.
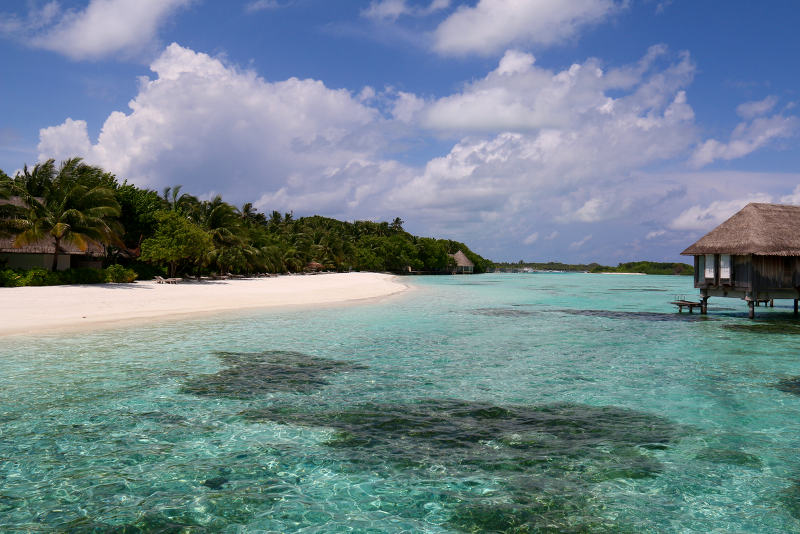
<point x="176" y="233"/>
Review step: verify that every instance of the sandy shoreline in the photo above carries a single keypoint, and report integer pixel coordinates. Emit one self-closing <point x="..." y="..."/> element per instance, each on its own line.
<point x="28" y="310"/>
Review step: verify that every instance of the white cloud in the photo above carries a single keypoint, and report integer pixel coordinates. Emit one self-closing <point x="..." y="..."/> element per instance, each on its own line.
<point x="520" y="96"/>
<point x="574" y="163"/>
<point x="71" y="138"/>
<point x="204" y="123"/>
<point x="37" y="18"/>
<point x="531" y="239"/>
<point x="793" y="197"/>
<point x="492" y="25"/>
<point x="104" y="27"/>
<point x="578" y="244"/>
<point x="261" y="5"/>
<point x="560" y="136"/>
<point x="756" y="108"/>
<point x="393" y="9"/>
<point x="745" y="139"/>
<point x="654" y="234"/>
<point x="707" y="217"/>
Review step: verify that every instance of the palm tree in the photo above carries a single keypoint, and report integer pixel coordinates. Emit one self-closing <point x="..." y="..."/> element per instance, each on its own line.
<point x="9" y="211"/>
<point x="175" y="201"/>
<point x="58" y="205"/>
<point x="223" y="223"/>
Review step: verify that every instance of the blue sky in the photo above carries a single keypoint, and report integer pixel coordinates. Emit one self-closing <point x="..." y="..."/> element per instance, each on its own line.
<point x="588" y="130"/>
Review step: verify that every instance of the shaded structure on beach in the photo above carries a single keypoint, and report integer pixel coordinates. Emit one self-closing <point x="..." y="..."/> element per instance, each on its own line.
<point x="463" y="263"/>
<point x="754" y="255"/>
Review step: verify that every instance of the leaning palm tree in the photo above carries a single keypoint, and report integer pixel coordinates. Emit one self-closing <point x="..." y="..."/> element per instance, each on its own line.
<point x="60" y="207"/>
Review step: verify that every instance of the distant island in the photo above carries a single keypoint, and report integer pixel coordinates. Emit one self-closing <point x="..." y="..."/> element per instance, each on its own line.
<point x="642" y="267"/>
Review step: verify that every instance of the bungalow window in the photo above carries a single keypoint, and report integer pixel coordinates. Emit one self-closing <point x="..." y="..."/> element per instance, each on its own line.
<point x="725" y="266"/>
<point x="710" y="271"/>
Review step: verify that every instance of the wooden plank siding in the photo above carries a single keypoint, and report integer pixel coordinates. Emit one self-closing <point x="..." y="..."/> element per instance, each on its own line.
<point x="751" y="273"/>
<point x="776" y="272"/>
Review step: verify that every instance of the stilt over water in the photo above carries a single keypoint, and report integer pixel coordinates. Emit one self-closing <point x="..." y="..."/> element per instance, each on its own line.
<point x="754" y="256"/>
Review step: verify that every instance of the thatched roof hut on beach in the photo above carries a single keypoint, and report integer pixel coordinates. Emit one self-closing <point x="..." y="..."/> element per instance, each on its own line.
<point x="463" y="263"/>
<point x="754" y="255"/>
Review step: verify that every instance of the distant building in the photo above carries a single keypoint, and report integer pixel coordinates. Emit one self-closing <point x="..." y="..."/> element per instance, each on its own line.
<point x="754" y="255"/>
<point x="463" y="264"/>
<point x="40" y="254"/>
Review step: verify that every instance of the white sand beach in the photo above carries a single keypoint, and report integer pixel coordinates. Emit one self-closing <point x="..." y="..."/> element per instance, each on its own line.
<point x="25" y="310"/>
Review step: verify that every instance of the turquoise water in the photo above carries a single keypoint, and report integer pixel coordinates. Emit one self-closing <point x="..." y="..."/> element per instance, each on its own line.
<point x="491" y="403"/>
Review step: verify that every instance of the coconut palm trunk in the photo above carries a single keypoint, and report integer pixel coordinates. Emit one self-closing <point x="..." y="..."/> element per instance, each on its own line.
<point x="55" y="254"/>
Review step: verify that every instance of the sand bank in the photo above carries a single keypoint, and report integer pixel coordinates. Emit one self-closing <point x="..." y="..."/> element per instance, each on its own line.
<point x="44" y="309"/>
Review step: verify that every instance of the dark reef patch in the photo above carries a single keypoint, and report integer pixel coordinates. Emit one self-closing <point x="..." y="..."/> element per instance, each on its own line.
<point x="637" y="289"/>
<point x="729" y="456"/>
<point x="252" y="375"/>
<point x="789" y="385"/>
<point x="790" y="498"/>
<point x="505" y="312"/>
<point x="638" y="316"/>
<point x="544" y="458"/>
<point x="771" y="327"/>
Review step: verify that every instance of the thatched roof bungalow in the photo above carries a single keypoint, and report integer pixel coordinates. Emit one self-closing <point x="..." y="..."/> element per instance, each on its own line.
<point x="463" y="263"/>
<point x="754" y="255"/>
<point x="40" y="255"/>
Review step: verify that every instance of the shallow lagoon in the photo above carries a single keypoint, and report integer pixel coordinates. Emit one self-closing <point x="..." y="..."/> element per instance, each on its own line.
<point x="499" y="403"/>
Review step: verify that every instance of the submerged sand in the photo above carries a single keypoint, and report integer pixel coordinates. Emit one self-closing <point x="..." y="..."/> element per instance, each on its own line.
<point x="26" y="310"/>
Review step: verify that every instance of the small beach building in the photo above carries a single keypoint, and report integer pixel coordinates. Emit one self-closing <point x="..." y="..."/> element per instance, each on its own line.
<point x="463" y="263"/>
<point x="40" y="255"/>
<point x="754" y="256"/>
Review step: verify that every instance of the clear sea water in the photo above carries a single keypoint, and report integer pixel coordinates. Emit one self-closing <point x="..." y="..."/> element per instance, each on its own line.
<point x="491" y="403"/>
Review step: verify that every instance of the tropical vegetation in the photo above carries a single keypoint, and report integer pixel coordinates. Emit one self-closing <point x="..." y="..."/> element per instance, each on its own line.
<point x="175" y="233"/>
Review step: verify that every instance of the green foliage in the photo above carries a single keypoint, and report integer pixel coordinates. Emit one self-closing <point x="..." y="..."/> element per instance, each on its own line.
<point x="176" y="240"/>
<point x="119" y="274"/>
<point x="79" y="204"/>
<point x="72" y="204"/>
<point x="137" y="213"/>
<point x="646" y="267"/>
<point x="146" y="271"/>
<point x="43" y="277"/>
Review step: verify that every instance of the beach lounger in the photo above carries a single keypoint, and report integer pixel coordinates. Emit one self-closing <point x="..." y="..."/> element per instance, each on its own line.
<point x="159" y="280"/>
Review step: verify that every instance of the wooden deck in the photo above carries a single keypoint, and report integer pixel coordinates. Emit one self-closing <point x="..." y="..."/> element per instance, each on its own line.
<point x="681" y="303"/>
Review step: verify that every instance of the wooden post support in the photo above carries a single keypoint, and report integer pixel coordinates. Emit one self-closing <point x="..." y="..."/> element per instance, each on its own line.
<point x="704" y="306"/>
<point x="771" y="303"/>
<point x="795" y="306"/>
<point x="752" y="309"/>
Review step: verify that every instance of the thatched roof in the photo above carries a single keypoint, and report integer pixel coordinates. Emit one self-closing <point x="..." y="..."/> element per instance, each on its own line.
<point x="462" y="260"/>
<point x="761" y="229"/>
<point x="46" y="246"/>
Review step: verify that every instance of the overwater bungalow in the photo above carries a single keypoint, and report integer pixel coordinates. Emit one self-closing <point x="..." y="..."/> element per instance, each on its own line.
<point x="463" y="263"/>
<point x="754" y="256"/>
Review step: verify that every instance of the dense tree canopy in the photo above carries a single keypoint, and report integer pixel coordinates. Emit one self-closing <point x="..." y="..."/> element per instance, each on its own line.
<point x="69" y="204"/>
<point x="176" y="231"/>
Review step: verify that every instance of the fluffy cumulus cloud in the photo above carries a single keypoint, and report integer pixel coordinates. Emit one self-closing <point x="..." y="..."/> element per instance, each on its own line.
<point x="490" y="26"/>
<point x="531" y="133"/>
<point x="704" y="218"/>
<point x="204" y="123"/>
<point x="536" y="158"/>
<point x="102" y="28"/>
<point x="755" y="132"/>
